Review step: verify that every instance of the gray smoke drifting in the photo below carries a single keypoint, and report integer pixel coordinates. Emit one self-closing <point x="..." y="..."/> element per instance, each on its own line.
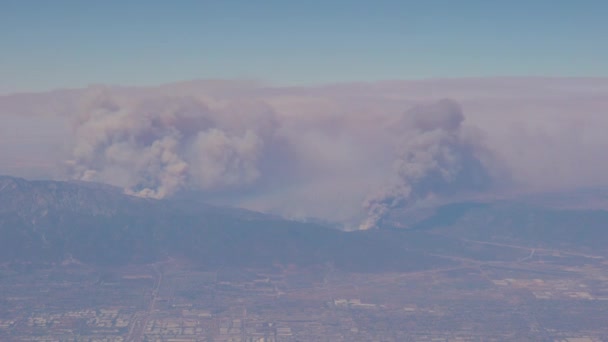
<point x="155" y="147"/>
<point x="347" y="154"/>
<point x="434" y="156"/>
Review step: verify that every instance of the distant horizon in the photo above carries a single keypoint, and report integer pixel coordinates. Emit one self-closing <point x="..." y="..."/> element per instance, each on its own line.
<point x="268" y="84"/>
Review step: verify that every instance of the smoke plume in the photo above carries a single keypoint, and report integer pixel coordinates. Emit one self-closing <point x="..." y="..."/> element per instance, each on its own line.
<point x="433" y="157"/>
<point x="155" y="147"/>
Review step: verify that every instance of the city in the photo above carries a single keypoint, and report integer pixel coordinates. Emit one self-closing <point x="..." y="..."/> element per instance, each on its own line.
<point x="546" y="295"/>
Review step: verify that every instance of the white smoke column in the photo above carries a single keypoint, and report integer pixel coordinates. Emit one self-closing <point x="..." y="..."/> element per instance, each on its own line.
<point x="157" y="146"/>
<point x="433" y="156"/>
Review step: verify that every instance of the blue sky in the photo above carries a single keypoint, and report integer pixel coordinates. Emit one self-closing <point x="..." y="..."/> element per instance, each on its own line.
<point x="61" y="43"/>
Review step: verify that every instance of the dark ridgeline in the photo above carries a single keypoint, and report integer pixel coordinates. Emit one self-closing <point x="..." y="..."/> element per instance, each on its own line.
<point x="48" y="222"/>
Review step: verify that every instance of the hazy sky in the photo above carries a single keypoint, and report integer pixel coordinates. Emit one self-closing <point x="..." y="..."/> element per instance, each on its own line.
<point x="63" y="43"/>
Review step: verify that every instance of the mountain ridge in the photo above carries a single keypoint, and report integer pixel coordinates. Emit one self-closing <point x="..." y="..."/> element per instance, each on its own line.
<point x="48" y="222"/>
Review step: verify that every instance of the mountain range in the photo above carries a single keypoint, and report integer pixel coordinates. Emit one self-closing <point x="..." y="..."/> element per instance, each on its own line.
<point x="52" y="222"/>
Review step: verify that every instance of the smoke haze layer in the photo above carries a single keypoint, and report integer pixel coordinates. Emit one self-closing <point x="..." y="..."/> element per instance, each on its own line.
<point x="345" y="153"/>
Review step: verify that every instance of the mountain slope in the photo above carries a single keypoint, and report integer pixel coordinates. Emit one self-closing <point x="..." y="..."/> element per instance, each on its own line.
<point x="49" y="222"/>
<point x="536" y="224"/>
<point x="46" y="221"/>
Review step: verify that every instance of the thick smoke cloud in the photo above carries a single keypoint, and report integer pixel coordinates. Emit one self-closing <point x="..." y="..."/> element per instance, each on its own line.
<point x="348" y="154"/>
<point x="156" y="147"/>
<point x="433" y="157"/>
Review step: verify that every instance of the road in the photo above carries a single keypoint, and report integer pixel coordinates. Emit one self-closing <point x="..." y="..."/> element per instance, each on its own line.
<point x="141" y="319"/>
